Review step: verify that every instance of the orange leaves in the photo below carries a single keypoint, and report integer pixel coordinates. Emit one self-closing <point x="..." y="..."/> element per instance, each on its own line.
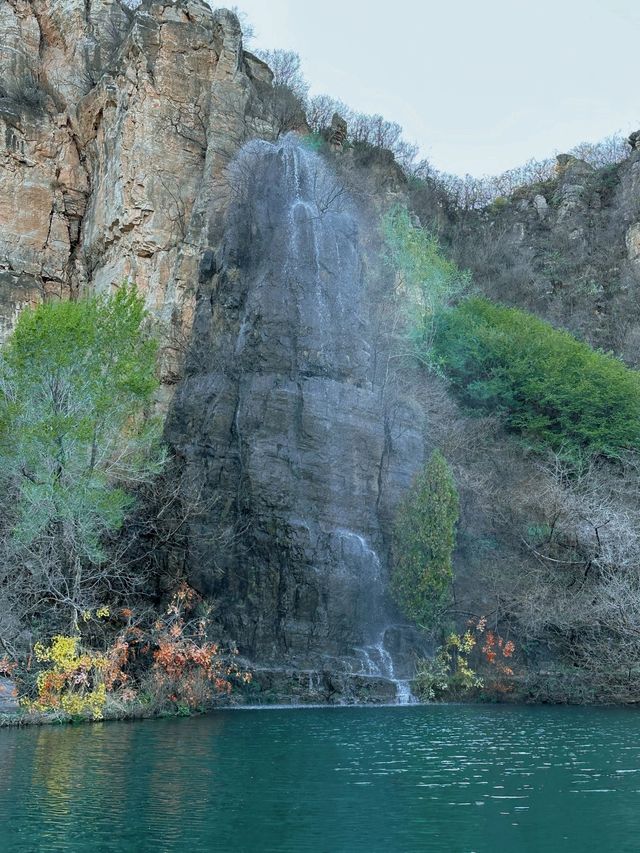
<point x="495" y="645"/>
<point x="187" y="596"/>
<point x="494" y="649"/>
<point x="7" y="667"/>
<point x="186" y="667"/>
<point x="166" y="662"/>
<point x="117" y="658"/>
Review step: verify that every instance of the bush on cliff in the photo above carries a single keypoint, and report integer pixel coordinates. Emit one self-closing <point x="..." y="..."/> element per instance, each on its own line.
<point x="423" y="542"/>
<point x="552" y="389"/>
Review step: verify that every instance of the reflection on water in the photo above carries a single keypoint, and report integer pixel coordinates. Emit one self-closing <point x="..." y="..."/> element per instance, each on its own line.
<point x="446" y="778"/>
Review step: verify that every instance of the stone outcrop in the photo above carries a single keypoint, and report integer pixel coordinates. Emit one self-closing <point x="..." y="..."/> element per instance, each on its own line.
<point x="567" y="249"/>
<point x="119" y="160"/>
<point x="284" y="428"/>
<point x="337" y="132"/>
<point x="116" y="130"/>
<point x="8" y="696"/>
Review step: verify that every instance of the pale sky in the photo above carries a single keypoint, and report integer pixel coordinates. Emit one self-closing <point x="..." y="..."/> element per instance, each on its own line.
<point x="480" y="85"/>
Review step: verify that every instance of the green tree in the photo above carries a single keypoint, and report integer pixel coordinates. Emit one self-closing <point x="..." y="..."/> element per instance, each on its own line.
<point x="427" y="280"/>
<point x="423" y="542"/>
<point x="76" y="381"/>
<point x="551" y="388"/>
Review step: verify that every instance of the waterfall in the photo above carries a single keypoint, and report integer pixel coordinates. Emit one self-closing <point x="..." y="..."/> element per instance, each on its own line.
<point x="320" y="270"/>
<point x="377" y="661"/>
<point x="280" y="420"/>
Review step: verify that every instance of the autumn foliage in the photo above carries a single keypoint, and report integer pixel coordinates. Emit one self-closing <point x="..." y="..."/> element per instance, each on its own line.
<point x="7" y="667"/>
<point x="186" y="668"/>
<point x="477" y="659"/>
<point x="72" y="683"/>
<point x="169" y="665"/>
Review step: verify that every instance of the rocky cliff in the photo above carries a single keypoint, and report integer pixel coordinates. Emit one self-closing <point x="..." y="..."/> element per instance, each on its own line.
<point x="127" y="154"/>
<point x="116" y="129"/>
<point x="286" y="431"/>
<point x="146" y="146"/>
<point x="567" y="249"/>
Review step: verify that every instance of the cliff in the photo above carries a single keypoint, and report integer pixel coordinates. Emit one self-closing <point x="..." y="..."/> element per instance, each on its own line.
<point x="127" y="155"/>
<point x="567" y="249"/>
<point x="147" y="146"/>
<point x="116" y="129"/>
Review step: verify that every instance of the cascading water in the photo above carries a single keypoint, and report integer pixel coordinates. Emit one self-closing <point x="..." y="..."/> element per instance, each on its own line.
<point x="288" y="431"/>
<point x="315" y="242"/>
<point x="378" y="661"/>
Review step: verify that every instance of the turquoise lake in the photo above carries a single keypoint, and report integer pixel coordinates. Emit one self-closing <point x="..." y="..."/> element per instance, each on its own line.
<point x="431" y="778"/>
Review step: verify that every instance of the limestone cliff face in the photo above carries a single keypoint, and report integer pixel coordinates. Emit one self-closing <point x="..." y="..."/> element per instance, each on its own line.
<point x="116" y="129"/>
<point x="126" y="152"/>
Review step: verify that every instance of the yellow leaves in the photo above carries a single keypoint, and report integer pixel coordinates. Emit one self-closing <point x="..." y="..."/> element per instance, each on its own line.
<point x="92" y="702"/>
<point x="462" y="642"/>
<point x="62" y="652"/>
<point x="183" y="667"/>
<point x="73" y="684"/>
<point x="468" y="642"/>
<point x="101" y="613"/>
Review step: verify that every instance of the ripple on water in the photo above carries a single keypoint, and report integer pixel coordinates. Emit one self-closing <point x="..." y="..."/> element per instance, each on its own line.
<point x="351" y="779"/>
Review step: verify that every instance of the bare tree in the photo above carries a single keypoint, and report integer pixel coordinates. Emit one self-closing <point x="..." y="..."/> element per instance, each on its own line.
<point x="286" y="66"/>
<point x="320" y="112"/>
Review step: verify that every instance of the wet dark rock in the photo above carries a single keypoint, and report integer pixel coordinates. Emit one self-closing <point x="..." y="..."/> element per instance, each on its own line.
<point x="283" y="430"/>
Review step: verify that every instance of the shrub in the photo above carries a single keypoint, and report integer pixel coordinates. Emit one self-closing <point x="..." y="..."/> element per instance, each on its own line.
<point x="452" y="670"/>
<point x="187" y="670"/>
<point x="73" y="684"/>
<point x="76" y="380"/>
<point x="423" y="543"/>
<point x="551" y="388"/>
<point x="167" y="666"/>
<point x="25" y="92"/>
<point x="449" y="671"/>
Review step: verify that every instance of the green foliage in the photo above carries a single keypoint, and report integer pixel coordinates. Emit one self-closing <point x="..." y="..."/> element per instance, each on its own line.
<point x="75" y="381"/>
<point x="498" y="204"/>
<point x="431" y="678"/>
<point x="449" y="671"/>
<point x="538" y="534"/>
<point x="428" y="281"/>
<point x="423" y="543"/>
<point x="550" y="388"/>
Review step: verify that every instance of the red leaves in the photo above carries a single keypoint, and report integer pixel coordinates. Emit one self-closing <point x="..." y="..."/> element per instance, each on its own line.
<point x="185" y="666"/>
<point x="494" y="649"/>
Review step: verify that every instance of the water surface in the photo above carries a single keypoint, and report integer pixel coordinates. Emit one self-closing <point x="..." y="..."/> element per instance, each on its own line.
<point x="443" y="778"/>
